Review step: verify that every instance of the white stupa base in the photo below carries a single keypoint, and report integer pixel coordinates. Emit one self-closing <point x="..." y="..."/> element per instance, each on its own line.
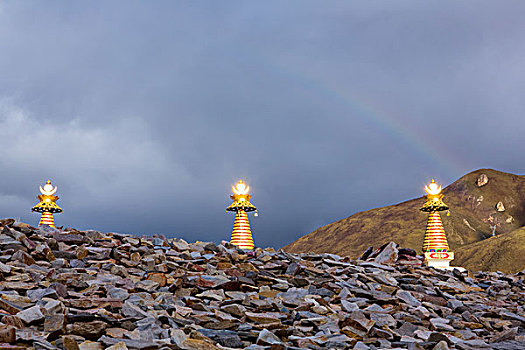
<point x="440" y="260"/>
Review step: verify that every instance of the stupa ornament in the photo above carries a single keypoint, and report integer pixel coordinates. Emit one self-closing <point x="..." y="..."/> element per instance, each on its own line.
<point x="241" y="234"/>
<point x="435" y="245"/>
<point x="47" y="205"/>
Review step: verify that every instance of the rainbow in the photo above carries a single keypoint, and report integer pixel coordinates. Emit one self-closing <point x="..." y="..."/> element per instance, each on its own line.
<point x="448" y="165"/>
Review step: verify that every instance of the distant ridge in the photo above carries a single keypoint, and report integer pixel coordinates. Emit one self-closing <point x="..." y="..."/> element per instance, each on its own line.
<point x="473" y="219"/>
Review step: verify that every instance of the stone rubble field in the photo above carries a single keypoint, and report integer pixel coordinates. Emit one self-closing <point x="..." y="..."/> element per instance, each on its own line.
<point x="68" y="289"/>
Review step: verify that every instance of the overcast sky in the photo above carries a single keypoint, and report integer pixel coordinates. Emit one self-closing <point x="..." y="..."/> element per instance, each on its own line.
<point x="145" y="113"/>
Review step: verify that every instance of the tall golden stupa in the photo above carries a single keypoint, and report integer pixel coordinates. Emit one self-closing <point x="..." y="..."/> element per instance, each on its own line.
<point x="435" y="245"/>
<point x="241" y="234"/>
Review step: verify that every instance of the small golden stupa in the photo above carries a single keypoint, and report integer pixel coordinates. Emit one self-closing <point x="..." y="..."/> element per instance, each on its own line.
<point x="47" y="205"/>
<point x="241" y="234"/>
<point x="435" y="245"/>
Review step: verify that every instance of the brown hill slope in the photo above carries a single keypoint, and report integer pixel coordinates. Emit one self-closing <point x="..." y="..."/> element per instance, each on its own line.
<point x="473" y="217"/>
<point x="504" y="252"/>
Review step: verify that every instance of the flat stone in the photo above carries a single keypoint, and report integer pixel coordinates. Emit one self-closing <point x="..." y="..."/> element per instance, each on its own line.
<point x="382" y="320"/>
<point x="436" y="337"/>
<point x="23" y="257"/>
<point x="5" y="269"/>
<point x="37" y="294"/>
<point x="509" y="334"/>
<point x="55" y="324"/>
<point x="12" y="347"/>
<point x="265" y="317"/>
<point x="147" y="285"/>
<point x="131" y="343"/>
<point x="225" y="338"/>
<point x="157" y="277"/>
<point x="358" y="320"/>
<point x="442" y="345"/>
<point x="70" y="343"/>
<point x="118" y="346"/>
<point x="234" y="309"/>
<point x="118" y="293"/>
<point x="212" y="294"/>
<point x="407" y="298"/>
<point x="88" y="330"/>
<point x="407" y="329"/>
<point x="7" y="334"/>
<point x="348" y="306"/>
<point x="509" y="345"/>
<point x="31" y="315"/>
<point x="91" y="345"/>
<point x="131" y="310"/>
<point x="388" y="255"/>
<point x="361" y="346"/>
<point x="43" y="345"/>
<point x="53" y="307"/>
<point x="10" y="307"/>
<point x="441" y="324"/>
<point x="268" y="338"/>
<point x="476" y="343"/>
<point x="13" y="321"/>
<point x="71" y="238"/>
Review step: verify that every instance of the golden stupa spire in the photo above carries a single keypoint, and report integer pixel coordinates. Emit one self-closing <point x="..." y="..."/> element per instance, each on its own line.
<point x="47" y="205"/>
<point x="241" y="234"/>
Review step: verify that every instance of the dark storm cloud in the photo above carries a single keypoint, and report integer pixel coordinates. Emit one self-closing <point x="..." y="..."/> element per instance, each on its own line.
<point x="145" y="114"/>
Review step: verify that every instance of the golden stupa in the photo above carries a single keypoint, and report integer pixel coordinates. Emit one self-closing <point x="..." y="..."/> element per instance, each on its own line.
<point x="435" y="245"/>
<point x="47" y="205"/>
<point x="241" y="234"/>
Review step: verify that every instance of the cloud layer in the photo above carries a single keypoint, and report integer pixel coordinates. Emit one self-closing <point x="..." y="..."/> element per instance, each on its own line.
<point x="144" y="114"/>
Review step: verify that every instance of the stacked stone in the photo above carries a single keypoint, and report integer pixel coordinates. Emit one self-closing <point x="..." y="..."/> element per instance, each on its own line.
<point x="69" y="289"/>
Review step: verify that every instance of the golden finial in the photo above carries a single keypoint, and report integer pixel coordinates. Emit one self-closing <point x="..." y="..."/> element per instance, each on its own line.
<point x="240" y="189"/>
<point x="48" y="189"/>
<point x="433" y="189"/>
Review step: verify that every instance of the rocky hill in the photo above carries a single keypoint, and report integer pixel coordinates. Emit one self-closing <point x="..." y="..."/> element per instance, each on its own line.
<point x="482" y="203"/>
<point x="88" y="290"/>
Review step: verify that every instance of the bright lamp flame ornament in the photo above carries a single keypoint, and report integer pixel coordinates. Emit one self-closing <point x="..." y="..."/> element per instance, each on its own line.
<point x="47" y="205"/>
<point x="435" y="246"/>
<point x="241" y="235"/>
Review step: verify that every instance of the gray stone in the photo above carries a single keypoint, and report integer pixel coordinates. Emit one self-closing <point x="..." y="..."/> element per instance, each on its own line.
<point x="442" y="345"/>
<point x="131" y="343"/>
<point x="118" y="293"/>
<point x="383" y="320"/>
<point x="509" y="334"/>
<point x="5" y="268"/>
<point x="361" y="346"/>
<point x="388" y="255"/>
<point x="268" y="338"/>
<point x="439" y="337"/>
<point x="441" y="324"/>
<point x="224" y="337"/>
<point x="509" y="345"/>
<point x="407" y="298"/>
<point x="131" y="310"/>
<point x="348" y="306"/>
<point x="31" y="315"/>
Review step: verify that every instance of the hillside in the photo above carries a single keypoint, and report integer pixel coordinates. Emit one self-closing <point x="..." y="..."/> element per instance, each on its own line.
<point x="503" y="252"/>
<point x="473" y="216"/>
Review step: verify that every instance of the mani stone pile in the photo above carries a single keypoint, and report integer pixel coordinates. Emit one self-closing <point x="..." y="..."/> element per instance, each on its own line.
<point x="68" y="289"/>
